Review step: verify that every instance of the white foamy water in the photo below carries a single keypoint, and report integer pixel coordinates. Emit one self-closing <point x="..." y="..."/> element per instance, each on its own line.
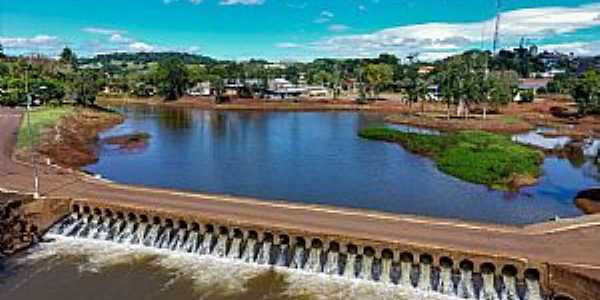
<point x="209" y="272"/>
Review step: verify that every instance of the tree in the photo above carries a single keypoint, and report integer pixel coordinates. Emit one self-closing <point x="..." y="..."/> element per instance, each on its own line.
<point x="4" y="70"/>
<point x="378" y="76"/>
<point x="49" y="90"/>
<point x="67" y="57"/>
<point x="586" y="92"/>
<point x="388" y="59"/>
<point x="322" y="77"/>
<point x="197" y="74"/>
<point x="172" y="78"/>
<point x="503" y="85"/>
<point x="464" y="79"/>
<point x="561" y="84"/>
<point x="414" y="85"/>
<point x="449" y="80"/>
<point x="84" y="86"/>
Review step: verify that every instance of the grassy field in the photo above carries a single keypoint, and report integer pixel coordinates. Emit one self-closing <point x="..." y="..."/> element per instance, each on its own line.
<point x="41" y="118"/>
<point x="473" y="156"/>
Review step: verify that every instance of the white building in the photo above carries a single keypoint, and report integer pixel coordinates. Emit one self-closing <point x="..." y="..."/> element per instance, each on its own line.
<point x="200" y="89"/>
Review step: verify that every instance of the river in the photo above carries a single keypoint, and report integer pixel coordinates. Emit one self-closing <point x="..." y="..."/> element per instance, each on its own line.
<point x="70" y="268"/>
<point x="317" y="158"/>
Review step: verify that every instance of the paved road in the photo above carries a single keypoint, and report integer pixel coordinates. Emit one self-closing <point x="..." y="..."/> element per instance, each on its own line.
<point x="572" y="242"/>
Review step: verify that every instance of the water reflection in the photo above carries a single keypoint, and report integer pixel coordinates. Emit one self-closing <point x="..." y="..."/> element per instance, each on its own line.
<point x="316" y="157"/>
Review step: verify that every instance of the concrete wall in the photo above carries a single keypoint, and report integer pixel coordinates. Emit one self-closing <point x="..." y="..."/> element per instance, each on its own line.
<point x="570" y="282"/>
<point x="207" y="222"/>
<point x="23" y="220"/>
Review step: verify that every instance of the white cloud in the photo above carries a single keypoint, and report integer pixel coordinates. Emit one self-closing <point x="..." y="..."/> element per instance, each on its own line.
<point x="141" y="47"/>
<point x="242" y="2"/>
<point x="288" y="45"/>
<point x="120" y="39"/>
<point x="102" y="31"/>
<point x="327" y="14"/>
<point x="362" y="8"/>
<point x="302" y="5"/>
<point x="324" y="17"/>
<point x="337" y="28"/>
<point x="191" y="1"/>
<point x="38" y="41"/>
<point x="443" y="37"/>
<point x="577" y="48"/>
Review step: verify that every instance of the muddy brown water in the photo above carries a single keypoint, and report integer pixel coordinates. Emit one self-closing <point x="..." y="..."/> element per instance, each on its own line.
<point x="69" y="268"/>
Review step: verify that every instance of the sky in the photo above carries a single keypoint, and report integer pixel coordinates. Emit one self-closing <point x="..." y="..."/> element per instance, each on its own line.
<point x="296" y="30"/>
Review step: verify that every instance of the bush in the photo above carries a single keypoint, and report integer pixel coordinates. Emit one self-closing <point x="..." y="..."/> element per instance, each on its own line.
<point x="12" y="98"/>
<point x="473" y="156"/>
<point x="527" y="96"/>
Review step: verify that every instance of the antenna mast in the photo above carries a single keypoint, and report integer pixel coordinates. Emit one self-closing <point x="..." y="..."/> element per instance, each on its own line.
<point x="497" y="28"/>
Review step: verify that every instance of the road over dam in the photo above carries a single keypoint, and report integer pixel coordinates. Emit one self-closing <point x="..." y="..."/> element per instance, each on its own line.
<point x="560" y="250"/>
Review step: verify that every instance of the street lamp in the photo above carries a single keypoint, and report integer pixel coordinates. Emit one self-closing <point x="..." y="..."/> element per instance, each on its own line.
<point x="36" y="181"/>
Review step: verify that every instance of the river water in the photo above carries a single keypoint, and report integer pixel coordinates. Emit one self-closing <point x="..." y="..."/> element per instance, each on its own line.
<point x="317" y="157"/>
<point x="70" y="268"/>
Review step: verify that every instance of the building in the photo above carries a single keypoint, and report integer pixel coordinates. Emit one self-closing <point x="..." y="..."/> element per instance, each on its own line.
<point x="433" y="92"/>
<point x="425" y="70"/>
<point x="200" y="89"/>
<point x="274" y="66"/>
<point x="317" y="91"/>
<point x="281" y="88"/>
<point x="548" y="74"/>
<point x="532" y="85"/>
<point x="551" y="60"/>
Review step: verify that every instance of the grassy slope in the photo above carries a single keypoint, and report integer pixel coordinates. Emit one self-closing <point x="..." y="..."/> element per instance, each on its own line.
<point x="41" y="118"/>
<point x="473" y="156"/>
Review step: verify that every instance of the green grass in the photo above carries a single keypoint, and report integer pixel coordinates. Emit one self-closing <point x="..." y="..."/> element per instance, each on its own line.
<point x="473" y="156"/>
<point x="41" y="118"/>
<point x="510" y="120"/>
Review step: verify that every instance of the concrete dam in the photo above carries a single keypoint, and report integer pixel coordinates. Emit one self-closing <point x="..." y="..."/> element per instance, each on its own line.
<point x="463" y="274"/>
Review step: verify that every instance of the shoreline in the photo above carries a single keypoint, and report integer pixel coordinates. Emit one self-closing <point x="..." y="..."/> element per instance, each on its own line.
<point x="72" y="141"/>
<point x="511" y="119"/>
<point x="394" y="106"/>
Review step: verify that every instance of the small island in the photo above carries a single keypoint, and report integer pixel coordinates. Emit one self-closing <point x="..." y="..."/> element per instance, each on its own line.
<point x="474" y="156"/>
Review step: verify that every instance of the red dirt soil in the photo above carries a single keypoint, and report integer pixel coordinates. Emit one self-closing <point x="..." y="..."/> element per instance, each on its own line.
<point x="72" y="142"/>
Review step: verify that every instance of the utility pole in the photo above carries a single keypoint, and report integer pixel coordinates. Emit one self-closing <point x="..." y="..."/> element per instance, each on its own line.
<point x="36" y="182"/>
<point x="497" y="27"/>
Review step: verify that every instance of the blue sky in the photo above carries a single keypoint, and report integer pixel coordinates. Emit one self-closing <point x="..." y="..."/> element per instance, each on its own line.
<point x="295" y="29"/>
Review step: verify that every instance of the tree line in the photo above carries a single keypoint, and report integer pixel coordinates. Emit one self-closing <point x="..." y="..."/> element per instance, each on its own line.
<point x="471" y="78"/>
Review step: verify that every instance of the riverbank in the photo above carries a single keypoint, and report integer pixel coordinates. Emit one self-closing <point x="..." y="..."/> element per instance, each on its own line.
<point x="66" y="136"/>
<point x="554" y="112"/>
<point x="474" y="156"/>
<point x="512" y="119"/>
<point x="395" y="106"/>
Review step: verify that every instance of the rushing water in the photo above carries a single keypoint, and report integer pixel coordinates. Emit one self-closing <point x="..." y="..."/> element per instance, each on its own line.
<point x="79" y="265"/>
<point x="316" y="157"/>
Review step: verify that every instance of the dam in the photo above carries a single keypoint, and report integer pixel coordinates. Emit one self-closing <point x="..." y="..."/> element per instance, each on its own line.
<point x="468" y="277"/>
<point x="467" y="274"/>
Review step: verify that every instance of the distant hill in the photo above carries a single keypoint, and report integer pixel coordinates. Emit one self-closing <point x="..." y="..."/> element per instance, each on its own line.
<point x="147" y="57"/>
